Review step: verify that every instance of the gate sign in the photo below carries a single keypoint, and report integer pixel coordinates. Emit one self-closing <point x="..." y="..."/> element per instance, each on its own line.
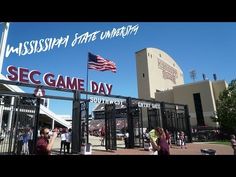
<point x="148" y="105"/>
<point x="105" y="101"/>
<point x="39" y="92"/>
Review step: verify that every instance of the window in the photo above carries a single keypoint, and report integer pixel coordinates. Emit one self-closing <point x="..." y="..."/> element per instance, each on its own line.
<point x="198" y="109"/>
<point x="143" y="75"/>
<point x="159" y="55"/>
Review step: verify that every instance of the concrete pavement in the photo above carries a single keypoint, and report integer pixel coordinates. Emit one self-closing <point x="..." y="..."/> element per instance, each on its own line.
<point x="192" y="149"/>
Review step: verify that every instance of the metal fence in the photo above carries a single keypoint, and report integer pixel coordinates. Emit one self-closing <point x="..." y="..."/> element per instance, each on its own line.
<point x="17" y="124"/>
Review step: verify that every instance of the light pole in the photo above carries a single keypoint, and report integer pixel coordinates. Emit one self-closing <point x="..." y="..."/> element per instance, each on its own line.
<point x="3" y="42"/>
<point x="193" y="74"/>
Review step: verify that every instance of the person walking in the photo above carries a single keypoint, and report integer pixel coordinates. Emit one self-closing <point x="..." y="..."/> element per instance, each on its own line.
<point x="233" y="143"/>
<point x="163" y="146"/>
<point x="102" y="135"/>
<point x="153" y="136"/>
<point x="63" y="140"/>
<point x="168" y="137"/>
<point x="68" y="140"/>
<point x="30" y="142"/>
<point x="25" y="146"/>
<point x="126" y="139"/>
<point x="183" y="140"/>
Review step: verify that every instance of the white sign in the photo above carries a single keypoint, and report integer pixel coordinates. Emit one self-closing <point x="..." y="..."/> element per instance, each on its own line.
<point x="39" y="92"/>
<point x="148" y="105"/>
<point x="47" y="44"/>
<point x="105" y="101"/>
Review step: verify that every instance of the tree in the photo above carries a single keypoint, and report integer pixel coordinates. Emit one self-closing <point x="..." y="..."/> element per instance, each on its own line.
<point x="226" y="109"/>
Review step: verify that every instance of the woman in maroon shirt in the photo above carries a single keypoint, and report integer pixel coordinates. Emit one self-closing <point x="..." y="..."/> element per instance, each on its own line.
<point x="163" y="147"/>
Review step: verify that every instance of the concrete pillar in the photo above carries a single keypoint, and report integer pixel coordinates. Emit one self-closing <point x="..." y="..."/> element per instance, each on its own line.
<point x="145" y="117"/>
<point x="3" y="42"/>
<point x="1" y="112"/>
<point x="53" y="124"/>
<point x="76" y="124"/>
<point x="161" y="121"/>
<point x="1" y="115"/>
<point x="9" y="121"/>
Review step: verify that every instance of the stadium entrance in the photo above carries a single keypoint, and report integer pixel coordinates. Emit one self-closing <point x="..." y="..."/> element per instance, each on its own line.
<point x="116" y="121"/>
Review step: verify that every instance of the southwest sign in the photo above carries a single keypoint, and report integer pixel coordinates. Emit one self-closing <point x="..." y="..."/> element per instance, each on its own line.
<point x="105" y="101"/>
<point x="25" y="75"/>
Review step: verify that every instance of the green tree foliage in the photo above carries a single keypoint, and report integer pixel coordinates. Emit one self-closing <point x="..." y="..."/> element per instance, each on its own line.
<point x="226" y="109"/>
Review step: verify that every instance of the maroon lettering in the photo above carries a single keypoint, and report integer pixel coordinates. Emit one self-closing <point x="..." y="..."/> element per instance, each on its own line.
<point x="109" y="87"/>
<point x="101" y="88"/>
<point x="94" y="86"/>
<point x="60" y="82"/>
<point x="13" y="71"/>
<point x="167" y="75"/>
<point x="48" y="79"/>
<point x="31" y="76"/>
<point x="23" y="75"/>
<point x="80" y="84"/>
<point x="71" y="84"/>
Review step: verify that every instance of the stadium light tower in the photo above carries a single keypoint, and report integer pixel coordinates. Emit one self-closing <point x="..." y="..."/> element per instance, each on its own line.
<point x="3" y="42"/>
<point x="193" y="74"/>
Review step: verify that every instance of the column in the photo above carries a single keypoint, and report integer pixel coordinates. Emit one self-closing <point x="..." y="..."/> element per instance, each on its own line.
<point x="9" y="120"/>
<point x="53" y="124"/>
<point x="1" y="112"/>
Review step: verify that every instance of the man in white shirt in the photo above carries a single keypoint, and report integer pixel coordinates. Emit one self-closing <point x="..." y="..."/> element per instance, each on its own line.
<point x="63" y="140"/>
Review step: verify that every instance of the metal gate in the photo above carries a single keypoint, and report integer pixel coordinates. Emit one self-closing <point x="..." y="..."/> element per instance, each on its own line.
<point x="154" y="118"/>
<point x="176" y="119"/>
<point x="110" y="127"/>
<point x="135" y="123"/>
<point x="18" y="120"/>
<point x="137" y="126"/>
<point x="84" y="122"/>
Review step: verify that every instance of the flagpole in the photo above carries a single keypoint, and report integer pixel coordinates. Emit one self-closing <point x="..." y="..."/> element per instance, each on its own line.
<point x="87" y="106"/>
<point x="87" y="80"/>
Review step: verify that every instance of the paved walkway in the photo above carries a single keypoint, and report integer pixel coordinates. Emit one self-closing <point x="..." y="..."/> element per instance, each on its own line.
<point x="192" y="149"/>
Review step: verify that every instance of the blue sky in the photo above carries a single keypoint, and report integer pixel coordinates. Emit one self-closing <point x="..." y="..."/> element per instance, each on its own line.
<point x="206" y="47"/>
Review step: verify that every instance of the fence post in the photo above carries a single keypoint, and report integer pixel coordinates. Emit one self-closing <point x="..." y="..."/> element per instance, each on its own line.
<point x="76" y="124"/>
<point x="187" y="118"/>
<point x="163" y="116"/>
<point x="87" y="120"/>
<point x="35" y="132"/>
<point x="130" y="123"/>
